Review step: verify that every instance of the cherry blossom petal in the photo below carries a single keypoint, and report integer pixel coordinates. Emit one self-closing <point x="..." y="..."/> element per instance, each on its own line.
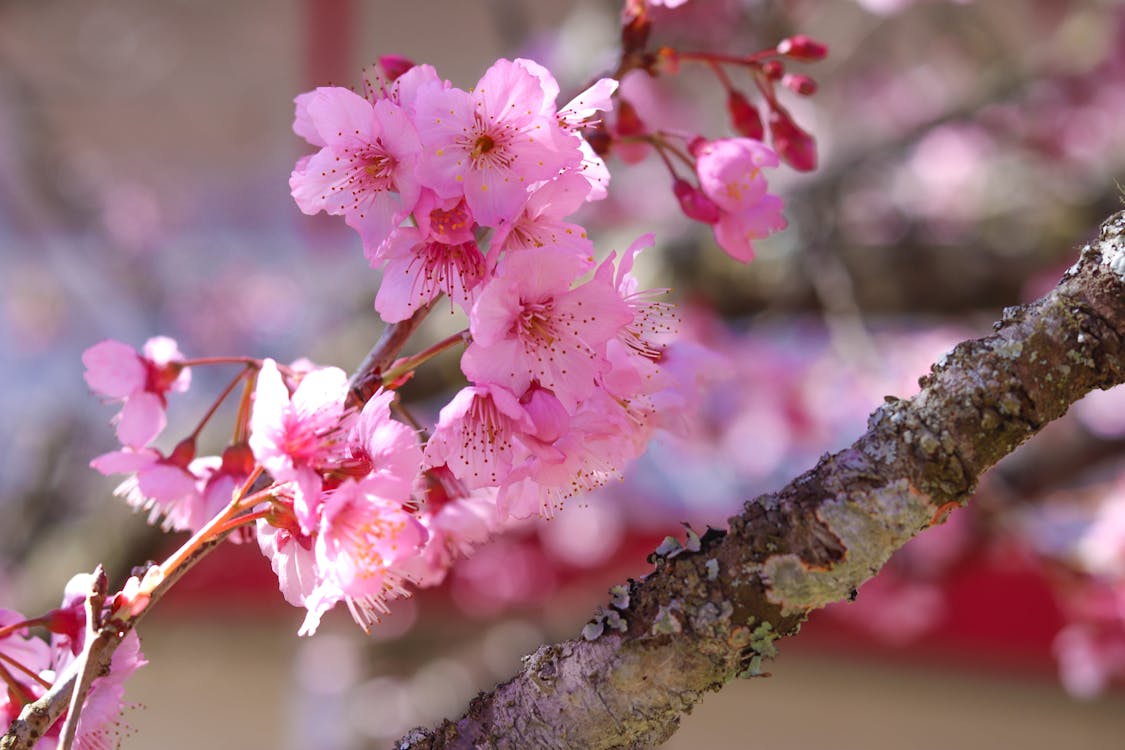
<point x="113" y="369"/>
<point x="141" y="419"/>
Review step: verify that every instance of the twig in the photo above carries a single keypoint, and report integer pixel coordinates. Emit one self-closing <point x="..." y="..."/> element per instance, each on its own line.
<point x="368" y="376"/>
<point x="95" y="643"/>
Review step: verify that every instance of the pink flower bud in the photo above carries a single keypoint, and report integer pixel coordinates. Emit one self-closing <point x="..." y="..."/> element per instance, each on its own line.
<point x="744" y="115"/>
<point x="696" y="144"/>
<point x="774" y="69"/>
<point x="238" y="460"/>
<point x="694" y="203"/>
<point x="803" y="85"/>
<point x="801" y="47"/>
<point x="394" y="65"/>
<point x="796" y="147"/>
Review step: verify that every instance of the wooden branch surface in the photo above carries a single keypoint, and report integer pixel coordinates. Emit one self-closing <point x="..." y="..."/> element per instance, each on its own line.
<point x="714" y="610"/>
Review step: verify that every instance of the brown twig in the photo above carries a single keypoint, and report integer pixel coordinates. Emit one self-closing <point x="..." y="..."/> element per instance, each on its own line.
<point x="85" y="664"/>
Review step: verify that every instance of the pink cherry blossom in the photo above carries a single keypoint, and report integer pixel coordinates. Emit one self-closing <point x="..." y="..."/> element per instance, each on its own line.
<point x="365" y="167"/>
<point x="388" y="451"/>
<point x="580" y="111"/>
<point x="529" y="325"/>
<point x="361" y="536"/>
<point x="454" y="530"/>
<point x="99" y="723"/>
<point x="493" y="144"/>
<point x="475" y="435"/>
<point x="292" y="558"/>
<point x="599" y="440"/>
<point x="418" y="270"/>
<point x="140" y="380"/>
<point x="541" y="221"/>
<point x="730" y="174"/>
<point x="179" y="491"/>
<point x="293" y="436"/>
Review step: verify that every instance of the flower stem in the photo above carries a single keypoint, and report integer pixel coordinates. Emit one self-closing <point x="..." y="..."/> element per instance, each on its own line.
<point x="406" y="364"/>
<point x="7" y="630"/>
<point x="218" y="402"/>
<point x="368" y="376"/>
<point x="20" y="668"/>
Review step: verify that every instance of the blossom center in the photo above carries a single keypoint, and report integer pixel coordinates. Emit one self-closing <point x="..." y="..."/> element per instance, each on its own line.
<point x="379" y="167"/>
<point x="483" y="145"/>
<point x="535" y="322"/>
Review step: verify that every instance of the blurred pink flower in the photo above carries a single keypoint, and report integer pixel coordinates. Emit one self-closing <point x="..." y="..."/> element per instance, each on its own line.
<point x="141" y="381"/>
<point x="730" y="174"/>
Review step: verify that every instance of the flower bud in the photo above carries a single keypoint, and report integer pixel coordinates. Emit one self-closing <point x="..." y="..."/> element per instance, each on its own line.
<point x="802" y="85"/>
<point x="796" y="147"/>
<point x="744" y="115"/>
<point x="635" y="27"/>
<point x="394" y="65"/>
<point x="183" y="454"/>
<point x="238" y="460"/>
<point x="694" y="203"/>
<point x="801" y="47"/>
<point x="696" y="144"/>
<point x="774" y="69"/>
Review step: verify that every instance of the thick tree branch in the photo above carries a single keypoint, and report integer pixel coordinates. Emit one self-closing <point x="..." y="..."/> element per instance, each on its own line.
<point x="714" y="610"/>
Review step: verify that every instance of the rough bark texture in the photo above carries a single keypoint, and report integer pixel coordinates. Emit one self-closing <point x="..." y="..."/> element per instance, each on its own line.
<point x="713" y="610"/>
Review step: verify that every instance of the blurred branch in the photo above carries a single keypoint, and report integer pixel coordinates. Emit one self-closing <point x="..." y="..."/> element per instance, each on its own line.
<point x="714" y="610"/>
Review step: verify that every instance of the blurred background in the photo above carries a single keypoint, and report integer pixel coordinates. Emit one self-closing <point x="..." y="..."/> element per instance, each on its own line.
<point x="966" y="149"/>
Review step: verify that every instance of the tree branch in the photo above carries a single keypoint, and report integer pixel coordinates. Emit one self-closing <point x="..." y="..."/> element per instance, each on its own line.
<point x="714" y="610"/>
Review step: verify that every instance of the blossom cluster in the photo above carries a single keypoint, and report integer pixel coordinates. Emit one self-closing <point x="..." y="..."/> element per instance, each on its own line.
<point x="458" y="194"/>
<point x="28" y="666"/>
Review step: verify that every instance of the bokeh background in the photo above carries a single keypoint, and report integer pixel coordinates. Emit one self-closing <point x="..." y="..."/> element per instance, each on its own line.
<point x="966" y="148"/>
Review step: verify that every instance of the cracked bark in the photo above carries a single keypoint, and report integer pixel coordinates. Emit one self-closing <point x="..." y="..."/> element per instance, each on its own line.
<point x="714" y="611"/>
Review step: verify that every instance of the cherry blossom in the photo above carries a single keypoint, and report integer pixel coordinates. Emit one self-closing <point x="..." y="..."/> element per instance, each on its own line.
<point x="418" y="270"/>
<point x="361" y="536"/>
<point x="493" y="144"/>
<point x="293" y="436"/>
<point x="365" y="167"/>
<point x="529" y="325"/>
<point x="475" y="435"/>
<point x="541" y="221"/>
<point x="140" y="380"/>
<point x="730" y="174"/>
